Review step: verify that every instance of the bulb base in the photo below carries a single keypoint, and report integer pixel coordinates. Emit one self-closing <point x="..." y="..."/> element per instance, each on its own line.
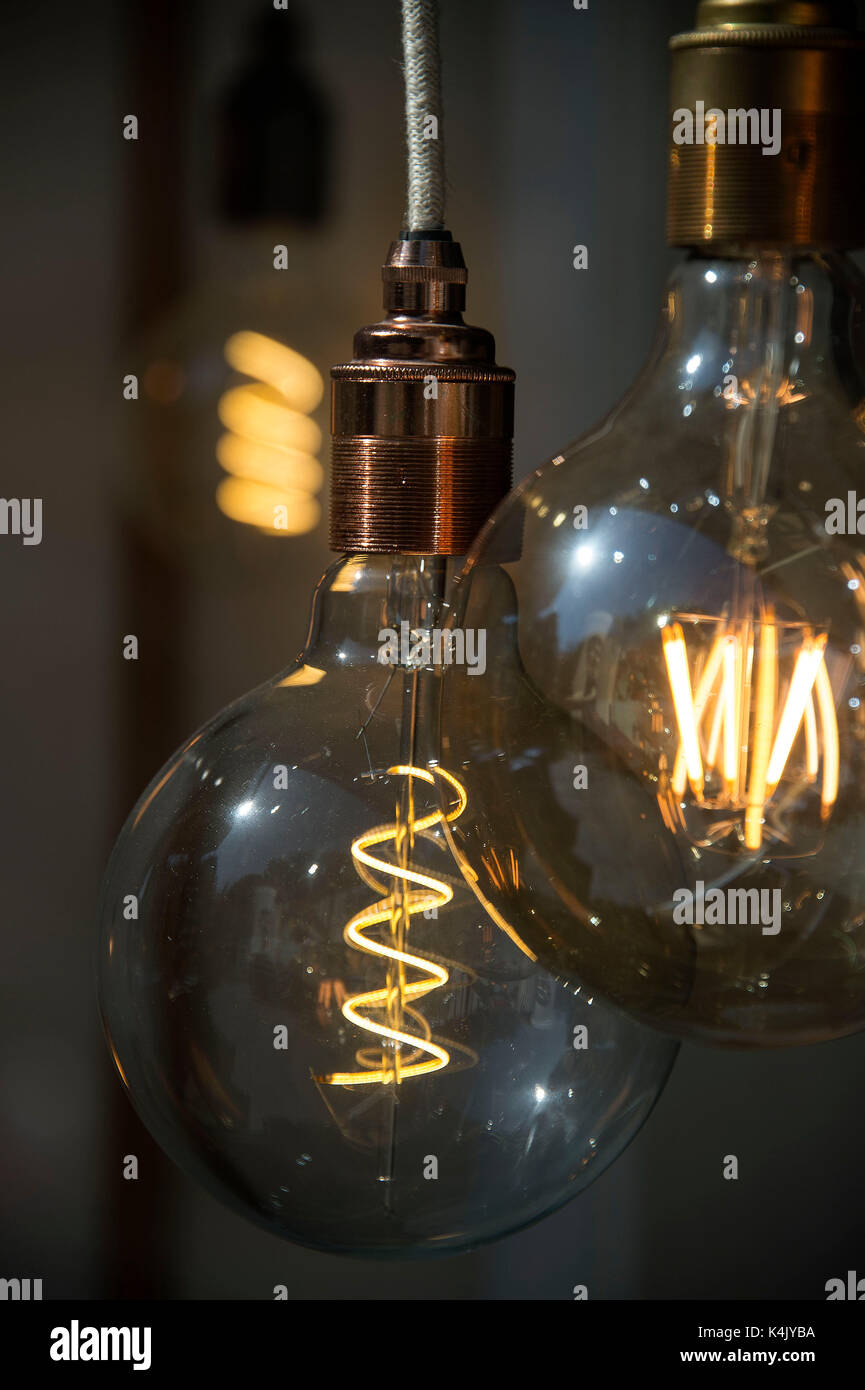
<point x="422" y="417"/>
<point x="772" y="155"/>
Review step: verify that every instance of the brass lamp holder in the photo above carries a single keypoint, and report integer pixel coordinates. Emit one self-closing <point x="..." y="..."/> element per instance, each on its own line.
<point x="804" y="59"/>
<point x="422" y="417"/>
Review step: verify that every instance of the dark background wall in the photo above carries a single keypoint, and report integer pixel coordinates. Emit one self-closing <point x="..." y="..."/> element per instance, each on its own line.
<point x="114" y="258"/>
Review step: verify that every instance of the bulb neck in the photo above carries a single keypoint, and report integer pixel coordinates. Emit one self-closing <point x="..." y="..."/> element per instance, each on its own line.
<point x="759" y="361"/>
<point x="767" y="110"/>
<point x="372" y="611"/>
<point x="740" y="299"/>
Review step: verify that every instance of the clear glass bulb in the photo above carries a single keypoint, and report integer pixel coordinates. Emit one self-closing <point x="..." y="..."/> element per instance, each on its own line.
<point x="309" y="1009"/>
<point x="668" y="744"/>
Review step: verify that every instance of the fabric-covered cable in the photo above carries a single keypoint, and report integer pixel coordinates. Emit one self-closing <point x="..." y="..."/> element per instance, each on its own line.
<point x="422" y="69"/>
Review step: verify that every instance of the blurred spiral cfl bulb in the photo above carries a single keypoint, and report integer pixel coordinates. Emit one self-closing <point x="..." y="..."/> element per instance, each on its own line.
<point x="270" y="452"/>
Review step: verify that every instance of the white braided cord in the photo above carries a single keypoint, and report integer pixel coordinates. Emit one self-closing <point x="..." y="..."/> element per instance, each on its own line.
<point x="422" y="69"/>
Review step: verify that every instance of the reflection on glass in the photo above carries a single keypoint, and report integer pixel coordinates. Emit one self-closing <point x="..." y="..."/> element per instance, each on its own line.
<point x="667" y="748"/>
<point x="309" y="1008"/>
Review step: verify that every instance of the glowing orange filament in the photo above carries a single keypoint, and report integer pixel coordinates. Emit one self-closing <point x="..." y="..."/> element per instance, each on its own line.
<point x="367" y="1010"/>
<point x="755" y="744"/>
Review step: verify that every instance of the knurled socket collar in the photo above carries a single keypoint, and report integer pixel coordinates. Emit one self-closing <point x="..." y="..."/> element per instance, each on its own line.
<point x="422" y="417"/>
<point x="782" y="76"/>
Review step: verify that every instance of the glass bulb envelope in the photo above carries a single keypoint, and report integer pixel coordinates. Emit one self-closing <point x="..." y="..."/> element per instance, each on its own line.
<point x="665" y="758"/>
<point x="308" y="1007"/>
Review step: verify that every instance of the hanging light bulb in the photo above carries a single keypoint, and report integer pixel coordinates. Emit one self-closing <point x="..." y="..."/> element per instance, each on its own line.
<point x="306" y="1003"/>
<point x="669" y="742"/>
<point x="303" y="998"/>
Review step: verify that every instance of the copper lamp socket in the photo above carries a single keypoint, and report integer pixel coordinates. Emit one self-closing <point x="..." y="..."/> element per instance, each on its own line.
<point x="803" y="65"/>
<point x="422" y="417"/>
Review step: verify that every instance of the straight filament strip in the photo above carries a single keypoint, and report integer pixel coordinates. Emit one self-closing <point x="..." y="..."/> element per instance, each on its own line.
<point x="757" y="747"/>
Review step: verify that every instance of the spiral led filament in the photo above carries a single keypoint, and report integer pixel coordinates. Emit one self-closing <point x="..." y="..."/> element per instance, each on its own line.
<point x="736" y="736"/>
<point x="382" y="1012"/>
<point x="270" y="452"/>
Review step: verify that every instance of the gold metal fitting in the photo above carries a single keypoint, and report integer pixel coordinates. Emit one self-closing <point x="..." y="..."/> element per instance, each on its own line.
<point x="422" y="418"/>
<point x="784" y="75"/>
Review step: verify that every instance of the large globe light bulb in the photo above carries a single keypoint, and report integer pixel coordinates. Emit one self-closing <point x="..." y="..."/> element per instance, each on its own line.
<point x="665" y="758"/>
<point x="309" y="1008"/>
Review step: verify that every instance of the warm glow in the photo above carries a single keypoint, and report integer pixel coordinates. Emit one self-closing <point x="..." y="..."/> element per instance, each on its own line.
<point x="304" y="675"/>
<point x="367" y="1011"/>
<point x="270" y="508"/>
<point x="808" y="659"/>
<point x="289" y="468"/>
<point x="826" y="705"/>
<point x="735" y="711"/>
<point x="710" y="671"/>
<point x="349" y="577"/>
<point x="680" y="684"/>
<point x="764" y="718"/>
<point x="293" y="376"/>
<point x="260" y="413"/>
<point x="271" y="449"/>
<point x="731" y="711"/>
